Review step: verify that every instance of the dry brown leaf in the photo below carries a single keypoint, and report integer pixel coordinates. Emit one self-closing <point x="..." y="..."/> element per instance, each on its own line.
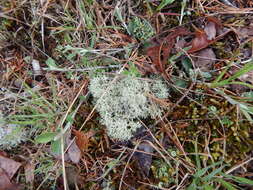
<point x="5" y="183"/>
<point x="245" y="32"/>
<point x="204" y="38"/>
<point x="205" y="59"/>
<point x="74" y="152"/>
<point x="9" y="166"/>
<point x="199" y="42"/>
<point x="160" y="53"/>
<point x="210" y="30"/>
<point x="144" y="157"/>
<point x="82" y="139"/>
<point x="214" y="20"/>
<point x="29" y="172"/>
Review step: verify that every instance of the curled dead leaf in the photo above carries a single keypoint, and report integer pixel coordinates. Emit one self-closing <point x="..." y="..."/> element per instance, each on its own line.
<point x="205" y="59"/>
<point x="161" y="52"/>
<point x="210" y="30"/>
<point x="74" y="152"/>
<point x="199" y="42"/>
<point x="82" y="139"/>
<point x="9" y="166"/>
<point x="5" y="183"/>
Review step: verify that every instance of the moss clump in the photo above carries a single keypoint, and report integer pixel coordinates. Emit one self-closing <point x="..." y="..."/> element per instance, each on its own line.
<point x="124" y="101"/>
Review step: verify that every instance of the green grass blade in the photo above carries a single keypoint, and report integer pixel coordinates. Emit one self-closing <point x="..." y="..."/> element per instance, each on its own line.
<point x="208" y="187"/>
<point x="201" y="172"/>
<point x="164" y="3"/>
<point x="213" y="173"/>
<point x="45" y="137"/>
<point x="226" y="184"/>
<point x="246" y="68"/>
<point x="243" y="180"/>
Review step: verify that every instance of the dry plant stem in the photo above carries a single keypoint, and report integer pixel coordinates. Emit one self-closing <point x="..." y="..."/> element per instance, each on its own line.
<point x="139" y="151"/>
<point x="70" y="107"/>
<point x="187" y="167"/>
<point x="62" y="141"/>
<point x="239" y="165"/>
<point x="45" y="179"/>
<point x="65" y="182"/>
<point x="81" y="70"/>
<point x="178" y="142"/>
<point x="207" y="143"/>
<point x="124" y="171"/>
<point x="182" y="181"/>
<point x="156" y="187"/>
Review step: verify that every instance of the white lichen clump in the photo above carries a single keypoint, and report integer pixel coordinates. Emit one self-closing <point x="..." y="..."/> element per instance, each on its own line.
<point x="123" y="101"/>
<point x="11" y="135"/>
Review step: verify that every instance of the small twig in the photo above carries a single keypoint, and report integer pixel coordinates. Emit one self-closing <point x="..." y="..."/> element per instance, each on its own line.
<point x="124" y="171"/>
<point x="81" y="70"/>
<point x="239" y="165"/>
<point x="227" y="2"/>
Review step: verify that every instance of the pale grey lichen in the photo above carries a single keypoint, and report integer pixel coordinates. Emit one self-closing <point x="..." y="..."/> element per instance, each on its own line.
<point x="11" y="135"/>
<point x="125" y="100"/>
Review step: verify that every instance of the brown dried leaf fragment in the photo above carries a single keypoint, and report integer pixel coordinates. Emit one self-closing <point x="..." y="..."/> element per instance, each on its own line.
<point x="9" y="166"/>
<point x="161" y="52"/>
<point x="199" y="42"/>
<point x="82" y="139"/>
<point x="74" y="152"/>
<point x="5" y="183"/>
<point x="210" y="30"/>
<point x="205" y="59"/>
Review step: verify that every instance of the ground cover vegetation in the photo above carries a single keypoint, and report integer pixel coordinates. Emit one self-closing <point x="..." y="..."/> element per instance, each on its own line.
<point x="126" y="94"/>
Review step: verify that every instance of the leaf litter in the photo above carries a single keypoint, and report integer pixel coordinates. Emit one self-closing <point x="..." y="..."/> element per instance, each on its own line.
<point x="8" y="169"/>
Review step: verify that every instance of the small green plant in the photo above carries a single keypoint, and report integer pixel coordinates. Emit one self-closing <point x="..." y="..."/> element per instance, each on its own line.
<point x="164" y="3"/>
<point x="11" y="135"/>
<point x="209" y="177"/>
<point x="38" y="114"/>
<point x="231" y="80"/>
<point x="124" y="101"/>
<point x="208" y="181"/>
<point x="132" y="71"/>
<point x="141" y="29"/>
<point x="163" y="172"/>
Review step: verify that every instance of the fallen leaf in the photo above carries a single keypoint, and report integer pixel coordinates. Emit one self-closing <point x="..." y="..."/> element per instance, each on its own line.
<point x="5" y="183"/>
<point x="74" y="152"/>
<point x="160" y="53"/>
<point x="205" y="59"/>
<point x="144" y="157"/>
<point x="9" y="166"/>
<point x="29" y="172"/>
<point x="204" y="38"/>
<point x="245" y="32"/>
<point x="154" y="54"/>
<point x="199" y="42"/>
<point x="82" y="139"/>
<point x="210" y="30"/>
<point x="215" y="20"/>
